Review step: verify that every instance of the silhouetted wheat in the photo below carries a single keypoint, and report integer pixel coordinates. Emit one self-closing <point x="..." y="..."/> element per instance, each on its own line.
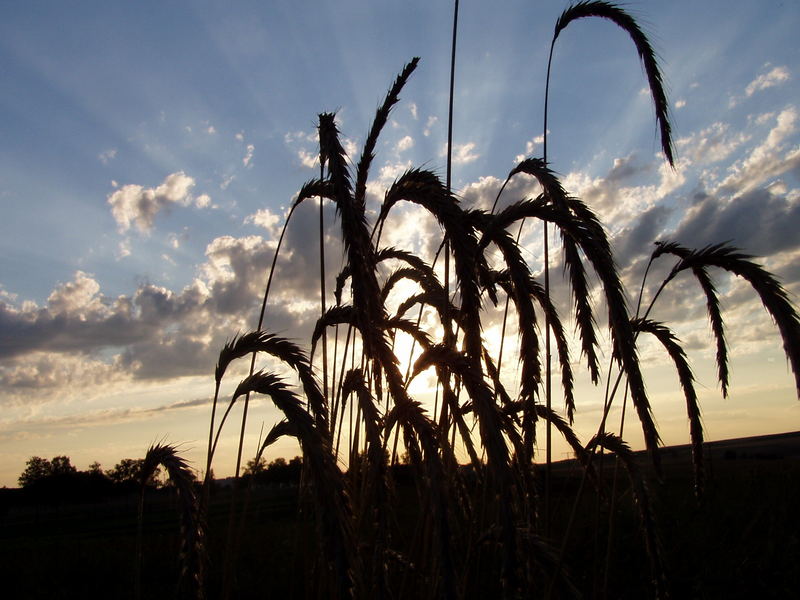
<point x="487" y="513"/>
<point x="193" y="550"/>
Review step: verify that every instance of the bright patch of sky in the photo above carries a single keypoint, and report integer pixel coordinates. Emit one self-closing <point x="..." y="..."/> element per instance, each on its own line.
<point x="149" y="152"/>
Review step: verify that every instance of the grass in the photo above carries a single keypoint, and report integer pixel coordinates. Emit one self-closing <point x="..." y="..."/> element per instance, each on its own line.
<point x="494" y="529"/>
<point x="741" y="543"/>
<point x="498" y="528"/>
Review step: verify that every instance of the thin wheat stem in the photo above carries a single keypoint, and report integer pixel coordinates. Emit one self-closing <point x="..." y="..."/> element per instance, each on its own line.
<point x="322" y="289"/>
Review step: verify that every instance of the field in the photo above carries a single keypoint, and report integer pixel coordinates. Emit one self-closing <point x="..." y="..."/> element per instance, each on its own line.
<point x="742" y="542"/>
<point x="383" y="508"/>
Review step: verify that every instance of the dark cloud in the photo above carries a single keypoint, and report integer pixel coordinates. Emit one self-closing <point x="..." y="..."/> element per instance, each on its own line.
<point x="637" y="239"/>
<point x="156" y="332"/>
<point x="759" y="222"/>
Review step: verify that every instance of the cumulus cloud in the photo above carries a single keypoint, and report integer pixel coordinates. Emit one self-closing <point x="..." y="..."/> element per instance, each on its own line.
<point x="83" y="335"/>
<point x="462" y="153"/>
<point x="266" y="219"/>
<point x="308" y="159"/>
<point x="412" y="107"/>
<point x="202" y="201"/>
<point x="615" y="196"/>
<point x="404" y="144"/>
<point x="136" y="205"/>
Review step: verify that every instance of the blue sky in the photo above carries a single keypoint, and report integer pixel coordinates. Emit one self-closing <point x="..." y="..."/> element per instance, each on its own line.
<point x="148" y="151"/>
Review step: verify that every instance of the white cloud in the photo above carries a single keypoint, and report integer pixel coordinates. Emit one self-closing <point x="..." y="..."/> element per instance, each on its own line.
<point x="226" y="182"/>
<point x="767" y="160"/>
<point x="462" y="153"/>
<point x="211" y="130"/>
<point x="107" y="156"/>
<point x="429" y="125"/>
<point x="308" y="159"/>
<point x="264" y="218"/>
<point x="249" y="156"/>
<point x="351" y="148"/>
<point x="413" y="109"/>
<point x="124" y="248"/>
<point x="239" y="136"/>
<point x="305" y="145"/>
<point x="776" y="76"/>
<point x="530" y="148"/>
<point x="404" y="144"/>
<point x="57" y="372"/>
<point x="134" y="204"/>
<point x="78" y="297"/>
<point x="202" y="201"/>
<point x="680" y="104"/>
<point x="713" y="144"/>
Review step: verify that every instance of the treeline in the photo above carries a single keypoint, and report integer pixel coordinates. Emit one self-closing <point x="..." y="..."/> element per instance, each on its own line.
<point x="59" y="479"/>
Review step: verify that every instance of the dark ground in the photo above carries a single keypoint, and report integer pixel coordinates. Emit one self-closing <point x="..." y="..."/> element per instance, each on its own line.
<point x="742" y="542"/>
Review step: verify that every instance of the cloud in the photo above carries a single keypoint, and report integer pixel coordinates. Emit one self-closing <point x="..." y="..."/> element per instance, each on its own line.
<point x="774" y="77"/>
<point x="412" y="107"/>
<point x="761" y="221"/>
<point x="226" y="181"/>
<point x="76" y="297"/>
<point x="107" y="416"/>
<point x="124" y="248"/>
<point x="767" y="160"/>
<point x="248" y="157"/>
<point x="712" y="144"/>
<point x="679" y="104"/>
<point x="266" y="219"/>
<point x="462" y="153"/>
<point x="351" y="148"/>
<point x="155" y="333"/>
<point x="107" y="156"/>
<point x="429" y="125"/>
<point x="49" y="372"/>
<point x="614" y="196"/>
<point x="136" y="205"/>
<point x="404" y="144"/>
<point x="308" y="159"/>
<point x="637" y="239"/>
<point x="202" y="201"/>
<point x="530" y="148"/>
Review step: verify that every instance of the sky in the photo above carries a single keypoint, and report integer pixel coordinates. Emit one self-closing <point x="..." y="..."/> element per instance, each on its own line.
<point x="149" y="151"/>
